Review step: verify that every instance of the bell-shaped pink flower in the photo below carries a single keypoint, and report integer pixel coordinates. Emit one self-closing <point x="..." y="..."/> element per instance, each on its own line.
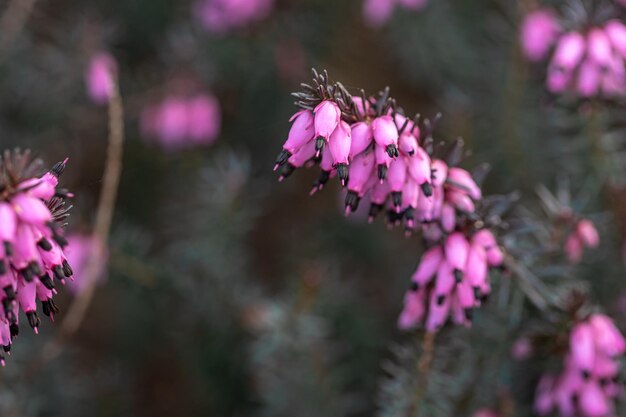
<point x="339" y="144"/>
<point x="569" y="51"/>
<point x="326" y="119"/>
<point x="599" y="47"/>
<point x="616" y="31"/>
<point x="30" y="209"/>
<point x="100" y="76"/>
<point x="377" y="12"/>
<point x="414" y="309"/>
<point x="457" y="249"/>
<point x="587" y="233"/>
<point x="593" y="402"/>
<point x="386" y="134"/>
<point x="462" y="180"/>
<point x="428" y="266"/>
<point x="362" y="138"/>
<point x="539" y="31"/>
<point x="582" y="347"/>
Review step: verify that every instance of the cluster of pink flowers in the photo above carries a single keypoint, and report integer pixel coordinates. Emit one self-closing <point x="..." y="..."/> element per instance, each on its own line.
<point x="451" y="280"/>
<point x="220" y="16"/>
<point x="583" y="235"/>
<point x="99" y="77"/>
<point x="378" y="154"/>
<point x="182" y="122"/>
<point x="590" y="63"/>
<point x="31" y="244"/>
<point x="377" y="12"/>
<point x="588" y="383"/>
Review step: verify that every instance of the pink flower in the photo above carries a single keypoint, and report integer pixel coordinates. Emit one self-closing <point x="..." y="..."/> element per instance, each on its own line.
<point x="485" y="412"/>
<point x="539" y="32"/>
<point x="220" y="16"/>
<point x="99" y="77"/>
<point x="589" y="370"/>
<point x="31" y="249"/>
<point x="80" y="250"/>
<point x="377" y="12"/>
<point x="584" y="235"/>
<point x="182" y="122"/>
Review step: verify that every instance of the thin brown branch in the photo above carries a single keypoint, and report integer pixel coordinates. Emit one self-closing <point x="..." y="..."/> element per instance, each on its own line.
<point x="104" y="217"/>
<point x="423" y="368"/>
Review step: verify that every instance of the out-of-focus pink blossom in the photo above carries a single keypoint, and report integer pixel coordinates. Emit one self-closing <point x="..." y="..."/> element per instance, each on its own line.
<point x="377" y="12"/>
<point x="584" y="235"/>
<point x="220" y="16"/>
<point x="80" y="250"/>
<point x="589" y="63"/>
<point x="100" y="77"/>
<point x="485" y="412"/>
<point x="32" y="246"/>
<point x="586" y="386"/>
<point x="538" y="33"/>
<point x="182" y="122"/>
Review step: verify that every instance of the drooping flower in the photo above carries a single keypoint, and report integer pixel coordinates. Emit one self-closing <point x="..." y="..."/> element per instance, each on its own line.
<point x="587" y="385"/>
<point x="539" y="30"/>
<point x="32" y="246"/>
<point x="182" y="122"/>
<point x="220" y="16"/>
<point x="100" y="77"/>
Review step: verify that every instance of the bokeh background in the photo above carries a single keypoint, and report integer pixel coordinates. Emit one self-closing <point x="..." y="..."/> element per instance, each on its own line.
<point x="229" y="294"/>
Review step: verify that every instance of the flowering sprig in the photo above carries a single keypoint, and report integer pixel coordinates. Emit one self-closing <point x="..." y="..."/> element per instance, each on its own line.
<point x="32" y="209"/>
<point x="381" y="154"/>
<point x="587" y="50"/>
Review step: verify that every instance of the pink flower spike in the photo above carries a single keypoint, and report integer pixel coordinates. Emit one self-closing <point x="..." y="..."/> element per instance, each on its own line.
<point x="539" y="31"/>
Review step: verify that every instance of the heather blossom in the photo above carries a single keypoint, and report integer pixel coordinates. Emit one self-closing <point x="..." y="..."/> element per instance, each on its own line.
<point x="32" y="254"/>
<point x="584" y="235"/>
<point x="99" y="77"/>
<point x="377" y="12"/>
<point x="182" y="122"/>
<point x="588" y="384"/>
<point x="589" y="62"/>
<point x="383" y="156"/>
<point x="539" y="31"/>
<point x="220" y="16"/>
